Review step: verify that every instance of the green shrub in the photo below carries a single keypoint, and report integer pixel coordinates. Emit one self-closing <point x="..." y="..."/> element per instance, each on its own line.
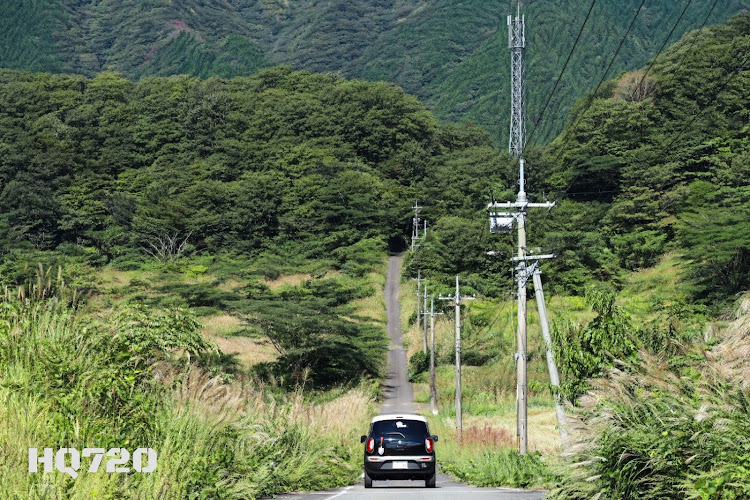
<point x="418" y="363"/>
<point x="504" y="467"/>
<point x="588" y="351"/>
<point x="147" y="332"/>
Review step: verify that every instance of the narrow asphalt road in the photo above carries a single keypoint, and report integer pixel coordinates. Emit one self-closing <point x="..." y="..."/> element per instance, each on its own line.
<point x="398" y="395"/>
<point x="399" y="398"/>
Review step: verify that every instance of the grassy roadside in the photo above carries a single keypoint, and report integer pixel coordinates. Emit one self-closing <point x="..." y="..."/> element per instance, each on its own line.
<point x="487" y="456"/>
<point x="217" y="434"/>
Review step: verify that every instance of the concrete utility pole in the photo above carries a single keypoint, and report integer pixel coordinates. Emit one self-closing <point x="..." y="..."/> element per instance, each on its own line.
<point x="554" y="376"/>
<point x="419" y="281"/>
<point x="424" y="309"/>
<point x="433" y="387"/>
<point x="415" y="226"/>
<point x="414" y="246"/>
<point x="459" y="412"/>
<point x="503" y="222"/>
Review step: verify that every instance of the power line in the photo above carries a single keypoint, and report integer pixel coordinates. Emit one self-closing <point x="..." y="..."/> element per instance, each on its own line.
<point x="559" y="78"/>
<point x="695" y="39"/>
<point x="674" y="27"/>
<point x="653" y="61"/>
<point x="593" y="94"/>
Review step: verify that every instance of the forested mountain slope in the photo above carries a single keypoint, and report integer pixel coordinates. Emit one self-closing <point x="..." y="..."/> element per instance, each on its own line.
<point x="666" y="157"/>
<point x="652" y="163"/>
<point x="284" y="157"/>
<point x="452" y="55"/>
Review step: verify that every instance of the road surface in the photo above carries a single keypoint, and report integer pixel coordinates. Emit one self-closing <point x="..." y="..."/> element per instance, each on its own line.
<point x="399" y="397"/>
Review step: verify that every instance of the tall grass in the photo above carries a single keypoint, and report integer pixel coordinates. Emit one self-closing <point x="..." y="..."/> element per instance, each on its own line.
<point x="487" y="456"/>
<point x="668" y="428"/>
<point x="68" y="381"/>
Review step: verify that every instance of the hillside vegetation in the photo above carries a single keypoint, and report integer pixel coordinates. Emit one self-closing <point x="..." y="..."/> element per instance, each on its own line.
<point x="171" y="165"/>
<point x="652" y="163"/>
<point x="116" y="380"/>
<point x="663" y="158"/>
<point x="452" y="55"/>
<point x="173" y="207"/>
<point x="186" y="179"/>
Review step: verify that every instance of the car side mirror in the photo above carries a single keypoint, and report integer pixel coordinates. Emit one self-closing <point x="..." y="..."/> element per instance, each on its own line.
<point x="362" y="439"/>
<point x="434" y="438"/>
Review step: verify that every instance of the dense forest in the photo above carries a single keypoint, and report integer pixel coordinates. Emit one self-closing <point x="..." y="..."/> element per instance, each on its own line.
<point x="451" y="55"/>
<point x="283" y="159"/>
<point x="315" y="164"/>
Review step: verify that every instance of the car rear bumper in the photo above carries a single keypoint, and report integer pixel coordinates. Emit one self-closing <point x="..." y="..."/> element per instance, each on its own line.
<point x="400" y="467"/>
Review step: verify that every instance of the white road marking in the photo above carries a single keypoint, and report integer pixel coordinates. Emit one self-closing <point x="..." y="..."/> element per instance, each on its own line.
<point x="345" y="490"/>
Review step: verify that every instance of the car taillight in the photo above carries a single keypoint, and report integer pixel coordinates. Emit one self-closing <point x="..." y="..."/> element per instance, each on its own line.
<point x="428" y="445"/>
<point x="370" y="445"/>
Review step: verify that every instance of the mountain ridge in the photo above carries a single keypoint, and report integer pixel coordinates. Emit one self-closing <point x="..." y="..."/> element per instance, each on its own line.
<point x="453" y="56"/>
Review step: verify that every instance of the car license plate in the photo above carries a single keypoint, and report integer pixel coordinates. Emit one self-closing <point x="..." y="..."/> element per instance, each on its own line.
<point x="400" y="465"/>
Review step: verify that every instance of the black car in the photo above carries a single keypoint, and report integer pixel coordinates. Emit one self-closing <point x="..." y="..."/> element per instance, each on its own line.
<point x="399" y="447"/>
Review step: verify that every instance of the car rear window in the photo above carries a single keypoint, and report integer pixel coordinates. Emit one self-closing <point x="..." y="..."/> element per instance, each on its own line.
<point x="409" y="428"/>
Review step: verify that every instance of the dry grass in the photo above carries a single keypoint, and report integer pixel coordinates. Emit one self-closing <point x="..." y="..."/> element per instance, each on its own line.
<point x="193" y="279"/>
<point x="729" y="360"/>
<point x="249" y="351"/>
<point x="337" y="417"/>
<point x="493" y="432"/>
<point x="197" y="387"/>
<point x="109" y="277"/>
<point x="226" y="402"/>
<point x="487" y="435"/>
<point x="220" y="330"/>
<point x="288" y="280"/>
<point x="743" y="307"/>
<point x="230" y="285"/>
<point x="543" y="435"/>
<point x="221" y="325"/>
<point x="373" y="307"/>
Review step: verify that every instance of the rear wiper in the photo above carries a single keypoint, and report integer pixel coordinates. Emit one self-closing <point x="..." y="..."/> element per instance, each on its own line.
<point x="393" y="433"/>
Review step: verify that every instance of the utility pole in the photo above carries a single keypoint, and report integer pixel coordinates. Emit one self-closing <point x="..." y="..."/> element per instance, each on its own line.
<point x="503" y="221"/>
<point x="433" y="387"/>
<point x="459" y="412"/>
<point x="419" y="281"/>
<point x="554" y="376"/>
<point x="414" y="246"/>
<point x="415" y="226"/>
<point x="424" y="309"/>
